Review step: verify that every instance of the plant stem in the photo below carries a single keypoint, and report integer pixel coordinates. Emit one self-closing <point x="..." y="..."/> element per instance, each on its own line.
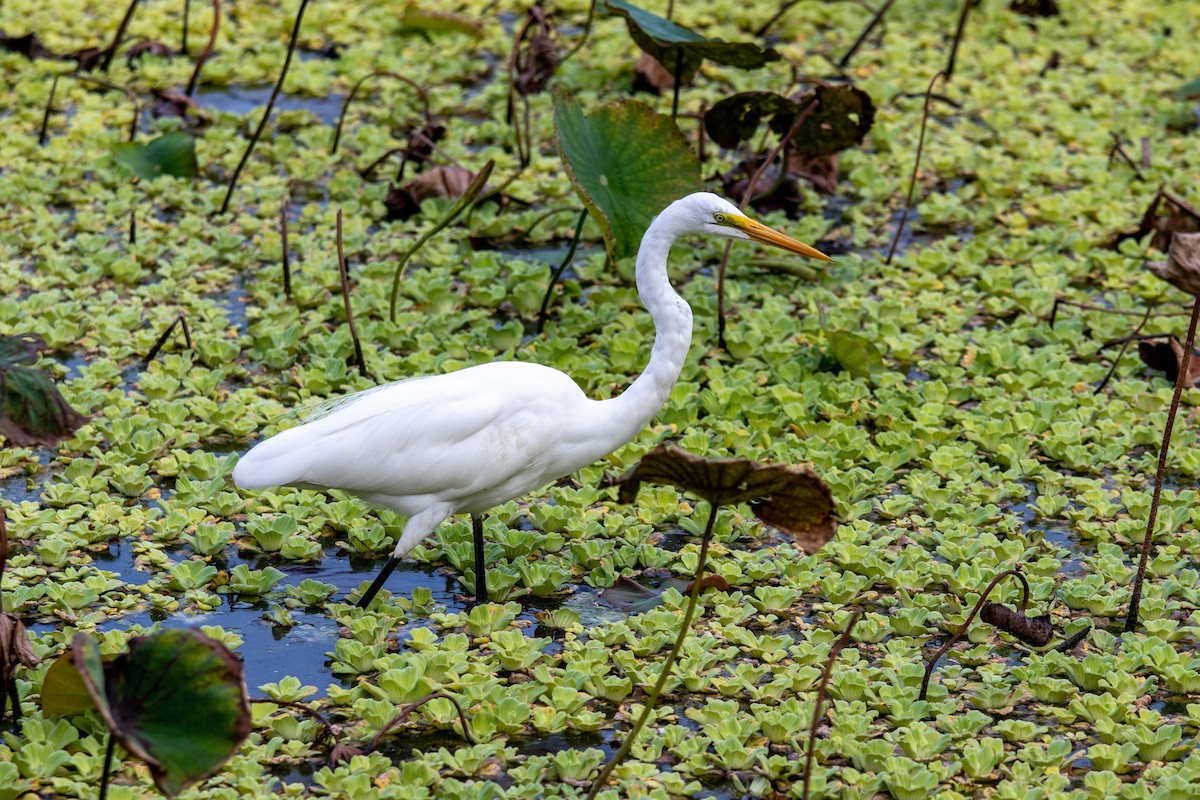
<point x="379" y="73"/>
<point x="212" y="42"/>
<point x="958" y="633"/>
<point x="561" y="269"/>
<point x="1124" y="347"/>
<point x="678" y="79"/>
<point x="467" y="198"/>
<point x="104" y="770"/>
<point x="958" y="34"/>
<point x="747" y="196"/>
<point x="358" y="352"/>
<point x="1131" y="619"/>
<point x="46" y="117"/>
<point x="652" y="698"/>
<point x="834" y="652"/>
<point x="183" y="36"/>
<point x="862" y="37"/>
<point x="283" y="241"/>
<point x="120" y="35"/>
<point x="258" y="132"/>
<point x="912" y="183"/>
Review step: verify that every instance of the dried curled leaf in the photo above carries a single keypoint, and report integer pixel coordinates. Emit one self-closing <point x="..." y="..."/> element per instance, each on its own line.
<point x="1033" y="631"/>
<point x="441" y="181"/>
<point x="15" y="650"/>
<point x="1168" y="357"/>
<point x="792" y="499"/>
<point x="1182" y="267"/>
<point x="536" y="60"/>
<point x="1166" y="216"/>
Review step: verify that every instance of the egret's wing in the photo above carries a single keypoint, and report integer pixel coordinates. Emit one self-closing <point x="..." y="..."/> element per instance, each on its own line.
<point x="458" y="432"/>
<point x="320" y="409"/>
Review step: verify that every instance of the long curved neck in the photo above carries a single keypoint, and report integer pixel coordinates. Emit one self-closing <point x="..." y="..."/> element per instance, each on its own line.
<point x="672" y="316"/>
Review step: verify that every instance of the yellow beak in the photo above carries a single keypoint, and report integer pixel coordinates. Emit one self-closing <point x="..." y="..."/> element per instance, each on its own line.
<point x="761" y="233"/>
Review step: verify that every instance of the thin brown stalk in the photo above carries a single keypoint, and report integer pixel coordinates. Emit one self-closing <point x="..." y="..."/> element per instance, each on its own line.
<point x="652" y="698"/>
<point x="819" y="702"/>
<point x="262" y="125"/>
<point x="379" y="73"/>
<point x="119" y="37"/>
<point x="970" y="617"/>
<point x="42" y="136"/>
<point x="958" y="34"/>
<point x="912" y="183"/>
<point x="183" y="34"/>
<point x="3" y="554"/>
<point x="862" y="37"/>
<point x="407" y="711"/>
<point x="181" y="321"/>
<point x="133" y="225"/>
<point x="208" y="49"/>
<point x="746" y="198"/>
<point x="1124" y="346"/>
<point x="283" y="241"/>
<point x="1118" y="149"/>
<point x="1131" y="619"/>
<point x="560" y="270"/>
<point x="132" y="95"/>
<point x="358" y="351"/>
<point x="522" y="138"/>
<point x="326" y="725"/>
<point x="1062" y="301"/>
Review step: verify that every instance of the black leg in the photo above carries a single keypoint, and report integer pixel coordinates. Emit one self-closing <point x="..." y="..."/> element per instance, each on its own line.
<point x="481" y="594"/>
<point x="377" y="584"/>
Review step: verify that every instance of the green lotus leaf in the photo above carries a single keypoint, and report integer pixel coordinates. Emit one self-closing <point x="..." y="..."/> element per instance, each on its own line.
<point x="627" y="163"/>
<point x="176" y="699"/>
<point x="669" y="43"/>
<point x="171" y="154"/>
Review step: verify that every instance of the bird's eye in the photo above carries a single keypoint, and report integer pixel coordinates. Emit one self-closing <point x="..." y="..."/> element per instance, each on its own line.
<point x="719" y="218"/>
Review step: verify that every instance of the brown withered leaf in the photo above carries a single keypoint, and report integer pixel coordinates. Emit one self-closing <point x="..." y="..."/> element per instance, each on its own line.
<point x="450" y="182"/>
<point x="1033" y="631"/>
<point x="28" y="45"/>
<point x="651" y="77"/>
<point x="1165" y="216"/>
<point x="343" y="753"/>
<point x="792" y="499"/>
<point x="15" y="647"/>
<point x="538" y="55"/>
<point x="1168" y="357"/>
<point x="1182" y="267"/>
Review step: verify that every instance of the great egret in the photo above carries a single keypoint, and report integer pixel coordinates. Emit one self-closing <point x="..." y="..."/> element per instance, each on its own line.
<point x="469" y="440"/>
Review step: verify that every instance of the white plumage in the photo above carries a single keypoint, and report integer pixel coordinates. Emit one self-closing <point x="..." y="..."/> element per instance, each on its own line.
<point x="469" y="440"/>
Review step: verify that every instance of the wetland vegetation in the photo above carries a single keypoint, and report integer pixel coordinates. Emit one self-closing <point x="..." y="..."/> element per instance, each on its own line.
<point x="992" y="180"/>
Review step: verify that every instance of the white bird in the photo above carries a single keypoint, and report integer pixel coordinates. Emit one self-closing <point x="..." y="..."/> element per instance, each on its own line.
<point x="470" y="440"/>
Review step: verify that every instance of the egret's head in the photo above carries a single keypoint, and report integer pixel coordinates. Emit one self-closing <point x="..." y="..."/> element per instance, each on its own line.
<point x="707" y="213"/>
